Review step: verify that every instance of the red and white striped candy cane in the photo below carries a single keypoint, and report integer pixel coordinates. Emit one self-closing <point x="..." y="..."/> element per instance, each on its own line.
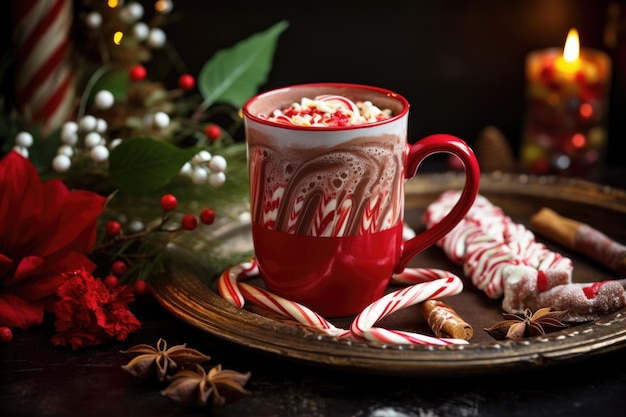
<point x="44" y="77"/>
<point x="227" y="285"/>
<point x="418" y="275"/>
<point x="362" y="325"/>
<point x="237" y="293"/>
<point x="400" y="337"/>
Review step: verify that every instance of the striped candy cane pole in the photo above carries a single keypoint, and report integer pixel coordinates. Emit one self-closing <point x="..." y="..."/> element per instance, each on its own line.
<point x="44" y="80"/>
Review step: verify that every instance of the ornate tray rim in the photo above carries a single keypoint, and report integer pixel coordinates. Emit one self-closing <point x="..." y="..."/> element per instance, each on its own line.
<point x="188" y="298"/>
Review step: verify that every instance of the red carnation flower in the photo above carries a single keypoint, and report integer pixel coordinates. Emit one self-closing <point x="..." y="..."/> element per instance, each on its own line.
<point x="45" y="230"/>
<point x="88" y="313"/>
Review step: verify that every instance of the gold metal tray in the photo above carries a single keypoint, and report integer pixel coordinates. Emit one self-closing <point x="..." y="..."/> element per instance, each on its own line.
<point x="192" y="297"/>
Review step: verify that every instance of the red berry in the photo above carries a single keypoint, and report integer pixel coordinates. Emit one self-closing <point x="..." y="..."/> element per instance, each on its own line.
<point x="118" y="268"/>
<point x="207" y="216"/>
<point x="189" y="222"/>
<point x="111" y="281"/>
<point x="140" y="287"/>
<point x="186" y="82"/>
<point x="213" y="132"/>
<point x="137" y="73"/>
<point x="169" y="202"/>
<point x="113" y="228"/>
<point x="6" y="335"/>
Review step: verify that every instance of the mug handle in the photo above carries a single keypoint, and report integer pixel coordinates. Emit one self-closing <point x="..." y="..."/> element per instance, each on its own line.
<point x="419" y="151"/>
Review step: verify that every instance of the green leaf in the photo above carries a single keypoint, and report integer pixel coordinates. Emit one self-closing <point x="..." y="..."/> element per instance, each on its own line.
<point x="234" y="75"/>
<point x="141" y="165"/>
<point x="116" y="81"/>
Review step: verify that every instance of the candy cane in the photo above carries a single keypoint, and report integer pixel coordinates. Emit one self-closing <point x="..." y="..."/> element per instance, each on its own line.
<point x="417" y="275"/>
<point x="237" y="293"/>
<point x="362" y="326"/>
<point x="227" y="283"/>
<point x="488" y="244"/>
<point x="44" y="80"/>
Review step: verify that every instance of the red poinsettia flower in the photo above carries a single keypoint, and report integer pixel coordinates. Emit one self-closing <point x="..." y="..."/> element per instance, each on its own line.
<point x="45" y="230"/>
<point x="88" y="313"/>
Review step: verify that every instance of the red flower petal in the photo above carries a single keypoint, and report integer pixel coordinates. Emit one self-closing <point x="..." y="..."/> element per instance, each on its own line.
<point x="46" y="230"/>
<point x="15" y="312"/>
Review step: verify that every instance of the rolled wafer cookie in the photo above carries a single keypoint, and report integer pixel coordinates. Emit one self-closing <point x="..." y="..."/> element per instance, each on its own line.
<point x="444" y="321"/>
<point x="581" y="237"/>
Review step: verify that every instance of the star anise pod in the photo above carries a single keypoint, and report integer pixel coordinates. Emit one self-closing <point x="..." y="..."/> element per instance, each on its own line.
<point x="196" y="386"/>
<point x="516" y="326"/>
<point x="161" y="359"/>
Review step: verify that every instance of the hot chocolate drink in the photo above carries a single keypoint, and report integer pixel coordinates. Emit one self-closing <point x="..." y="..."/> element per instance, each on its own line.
<point x="351" y="188"/>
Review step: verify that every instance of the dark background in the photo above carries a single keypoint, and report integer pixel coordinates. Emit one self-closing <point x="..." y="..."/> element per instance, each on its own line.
<point x="460" y="63"/>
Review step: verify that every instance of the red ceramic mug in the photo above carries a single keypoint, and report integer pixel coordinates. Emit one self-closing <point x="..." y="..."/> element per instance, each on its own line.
<point x="327" y="203"/>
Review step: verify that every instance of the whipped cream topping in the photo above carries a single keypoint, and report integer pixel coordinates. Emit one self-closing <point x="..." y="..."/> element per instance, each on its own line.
<point x="328" y="110"/>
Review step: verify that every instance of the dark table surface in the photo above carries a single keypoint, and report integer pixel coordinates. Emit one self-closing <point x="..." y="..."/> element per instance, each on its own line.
<point x="40" y="379"/>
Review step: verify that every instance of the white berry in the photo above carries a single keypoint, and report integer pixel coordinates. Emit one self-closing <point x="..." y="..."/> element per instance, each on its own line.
<point x="199" y="175"/>
<point x="217" y="163"/>
<point x="68" y="138"/>
<point x="217" y="179"/>
<point x="61" y="163"/>
<point x="161" y="120"/>
<point x="24" y="139"/>
<point x="115" y="142"/>
<point x="69" y="133"/>
<point x="156" y="38"/>
<point x="132" y="13"/>
<point x="93" y="20"/>
<point x="201" y="157"/>
<point x="101" y="125"/>
<point x="186" y="169"/>
<point x="21" y="150"/>
<point x="99" y="153"/>
<point x="141" y="31"/>
<point x="92" y="139"/>
<point x="88" y="123"/>
<point x="104" y="99"/>
<point x="135" y="226"/>
<point x="65" y="150"/>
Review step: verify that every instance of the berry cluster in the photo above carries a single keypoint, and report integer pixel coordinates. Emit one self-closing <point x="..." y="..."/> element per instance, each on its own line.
<point x="115" y="240"/>
<point x="104" y="120"/>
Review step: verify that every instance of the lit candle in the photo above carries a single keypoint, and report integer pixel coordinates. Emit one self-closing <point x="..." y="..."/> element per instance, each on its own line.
<point x="567" y="105"/>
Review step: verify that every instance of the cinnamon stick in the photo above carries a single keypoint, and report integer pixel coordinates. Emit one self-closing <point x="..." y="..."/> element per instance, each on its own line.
<point x="581" y="237"/>
<point x="444" y="321"/>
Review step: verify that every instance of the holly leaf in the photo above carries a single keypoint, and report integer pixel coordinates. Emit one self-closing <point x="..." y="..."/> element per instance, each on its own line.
<point x="142" y="165"/>
<point x="234" y="74"/>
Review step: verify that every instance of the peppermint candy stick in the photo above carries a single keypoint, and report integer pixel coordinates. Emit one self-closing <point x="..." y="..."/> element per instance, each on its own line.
<point x="291" y="309"/>
<point x="237" y="293"/>
<point x="362" y="326"/>
<point x="417" y="275"/>
<point x="400" y="337"/>
<point x="44" y="77"/>
<point x="227" y="285"/>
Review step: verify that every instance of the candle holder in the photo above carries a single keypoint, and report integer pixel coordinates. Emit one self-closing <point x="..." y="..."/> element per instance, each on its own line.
<point x="566" y="116"/>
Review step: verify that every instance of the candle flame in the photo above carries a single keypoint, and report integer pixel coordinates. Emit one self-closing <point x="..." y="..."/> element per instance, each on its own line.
<point x="572" y="46"/>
